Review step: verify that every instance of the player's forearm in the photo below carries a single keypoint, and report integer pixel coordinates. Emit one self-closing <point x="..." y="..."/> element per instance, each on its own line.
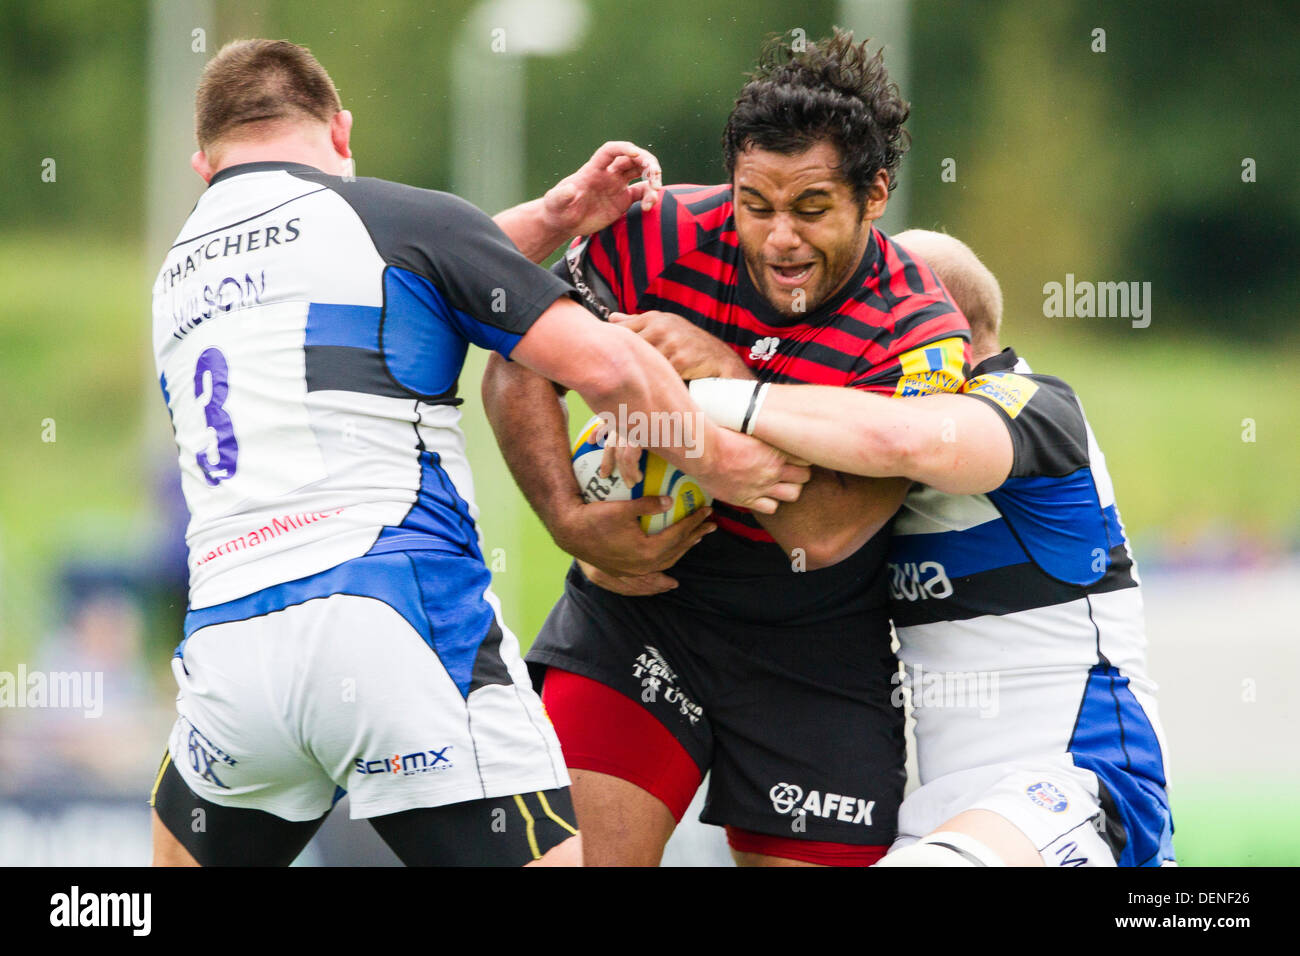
<point x="623" y="378"/>
<point x="838" y="428"/>
<point x="951" y="442"/>
<point x="530" y="428"/>
<point x="626" y="379"/>
<point x="842" y="429"/>
<point x="835" y="516"/>
<point x="531" y="229"/>
<point x="639" y="389"/>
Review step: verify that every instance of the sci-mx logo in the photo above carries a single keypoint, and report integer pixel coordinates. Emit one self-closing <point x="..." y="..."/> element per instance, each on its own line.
<point x="420" y="761"/>
<point x="788" y="800"/>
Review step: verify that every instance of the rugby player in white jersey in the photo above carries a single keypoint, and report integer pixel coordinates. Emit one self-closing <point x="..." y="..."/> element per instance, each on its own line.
<point x="309" y="332"/>
<point x="1014" y="596"/>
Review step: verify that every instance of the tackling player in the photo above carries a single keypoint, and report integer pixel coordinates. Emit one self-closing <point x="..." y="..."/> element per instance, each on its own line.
<point x="1015" y="598"/>
<point x="309" y="329"/>
<point x="765" y="659"/>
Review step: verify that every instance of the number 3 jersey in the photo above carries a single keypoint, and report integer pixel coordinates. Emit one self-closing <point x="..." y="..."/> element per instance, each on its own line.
<point x="1019" y="614"/>
<point x="309" y="332"/>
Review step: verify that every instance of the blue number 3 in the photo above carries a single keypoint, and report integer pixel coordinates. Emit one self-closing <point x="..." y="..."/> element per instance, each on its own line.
<point x="212" y="382"/>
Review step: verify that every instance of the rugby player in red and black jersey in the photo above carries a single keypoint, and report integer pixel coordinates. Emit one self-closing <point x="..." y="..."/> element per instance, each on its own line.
<point x="765" y="657"/>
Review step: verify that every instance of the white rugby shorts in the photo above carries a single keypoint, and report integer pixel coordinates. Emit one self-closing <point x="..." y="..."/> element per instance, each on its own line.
<point x="1051" y="801"/>
<point x="284" y="710"/>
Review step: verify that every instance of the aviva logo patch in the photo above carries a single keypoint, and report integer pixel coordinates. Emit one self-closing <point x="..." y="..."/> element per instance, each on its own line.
<point x="938" y="367"/>
<point x="1008" y="389"/>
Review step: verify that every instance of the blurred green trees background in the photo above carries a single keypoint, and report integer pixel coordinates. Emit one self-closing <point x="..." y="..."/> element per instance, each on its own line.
<point x="1129" y="160"/>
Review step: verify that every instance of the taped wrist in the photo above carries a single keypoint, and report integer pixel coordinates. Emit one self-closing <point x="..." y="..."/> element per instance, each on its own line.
<point x="944" y="848"/>
<point x="730" y="402"/>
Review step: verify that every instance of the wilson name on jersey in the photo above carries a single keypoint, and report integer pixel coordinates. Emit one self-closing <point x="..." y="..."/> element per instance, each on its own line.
<point x="1019" y="612"/>
<point x="309" y="332"/>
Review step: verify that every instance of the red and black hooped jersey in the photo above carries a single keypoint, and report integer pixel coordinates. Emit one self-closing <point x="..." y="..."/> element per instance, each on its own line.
<point x="892" y="328"/>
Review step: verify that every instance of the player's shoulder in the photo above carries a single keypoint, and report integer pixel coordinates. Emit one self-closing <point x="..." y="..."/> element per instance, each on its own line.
<point x="686" y="217"/>
<point x="687" y="223"/>
<point x="1053" y="385"/>
<point x="902" y="298"/>
<point x="700" y="202"/>
<point x="904" y="274"/>
<point x="1013" y="391"/>
<point x="412" y="227"/>
<point x="382" y="200"/>
<point x="1009" y="382"/>
<point x="1042" y="413"/>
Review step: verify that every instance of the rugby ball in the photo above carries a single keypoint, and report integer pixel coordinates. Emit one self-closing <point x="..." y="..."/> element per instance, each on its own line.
<point x="658" y="477"/>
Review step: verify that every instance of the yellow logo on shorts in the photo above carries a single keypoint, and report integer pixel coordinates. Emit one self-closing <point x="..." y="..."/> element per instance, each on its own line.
<point x="933" y="368"/>
<point x="1008" y="389"/>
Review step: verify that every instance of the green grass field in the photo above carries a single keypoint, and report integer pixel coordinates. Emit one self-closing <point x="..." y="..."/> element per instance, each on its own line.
<point x="74" y="347"/>
<point x="74" y="361"/>
<point x="1221" y="823"/>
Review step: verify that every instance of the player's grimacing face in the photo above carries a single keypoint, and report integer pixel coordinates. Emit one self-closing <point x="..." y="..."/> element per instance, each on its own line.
<point x="801" y="230"/>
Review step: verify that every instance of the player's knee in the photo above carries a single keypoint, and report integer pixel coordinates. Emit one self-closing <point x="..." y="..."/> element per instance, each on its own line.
<point x="944" y="848"/>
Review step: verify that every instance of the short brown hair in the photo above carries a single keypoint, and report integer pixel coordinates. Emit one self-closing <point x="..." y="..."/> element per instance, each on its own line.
<point x="261" y="82"/>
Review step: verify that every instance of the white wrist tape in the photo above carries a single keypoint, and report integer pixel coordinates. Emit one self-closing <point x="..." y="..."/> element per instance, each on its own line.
<point x="945" y="848"/>
<point x="730" y="402"/>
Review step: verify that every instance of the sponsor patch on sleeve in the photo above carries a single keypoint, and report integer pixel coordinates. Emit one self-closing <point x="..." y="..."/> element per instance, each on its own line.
<point x="933" y="368"/>
<point x="1008" y="389"/>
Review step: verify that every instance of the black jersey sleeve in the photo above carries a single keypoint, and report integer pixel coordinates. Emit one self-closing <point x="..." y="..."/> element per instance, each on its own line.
<point x="1048" y="432"/>
<point x="455" y="246"/>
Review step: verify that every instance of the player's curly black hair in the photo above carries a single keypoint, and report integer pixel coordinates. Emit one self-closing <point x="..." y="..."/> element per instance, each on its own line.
<point x="829" y="90"/>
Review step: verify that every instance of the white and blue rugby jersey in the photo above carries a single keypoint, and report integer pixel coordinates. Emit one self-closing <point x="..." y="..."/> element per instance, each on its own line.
<point x="1019" y="615"/>
<point x="309" y="332"/>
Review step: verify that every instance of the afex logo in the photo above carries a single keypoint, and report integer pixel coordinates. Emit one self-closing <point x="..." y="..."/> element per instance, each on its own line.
<point x="788" y="798"/>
